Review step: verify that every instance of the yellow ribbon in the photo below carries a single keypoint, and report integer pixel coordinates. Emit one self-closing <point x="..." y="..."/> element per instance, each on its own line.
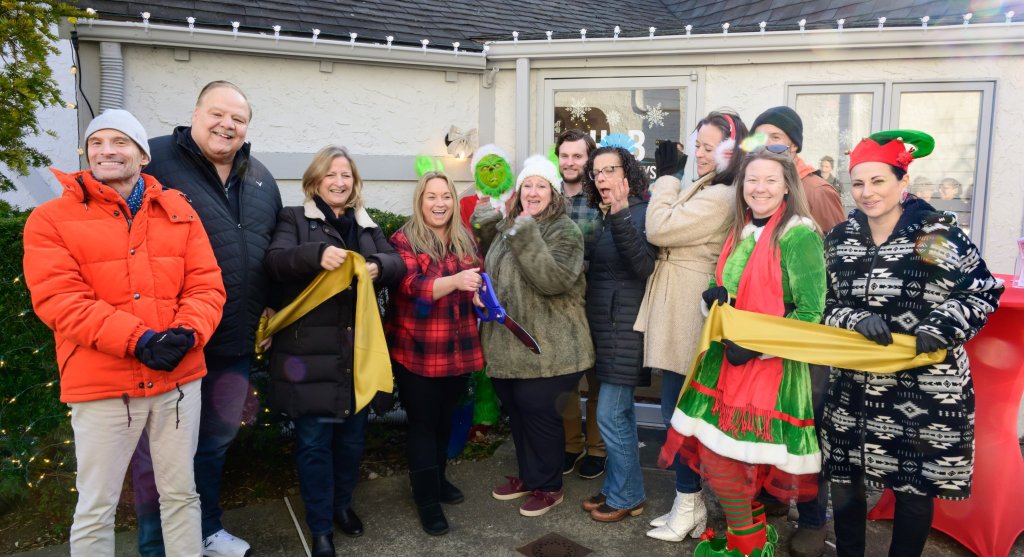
<point x="372" y="362"/>
<point x="800" y="341"/>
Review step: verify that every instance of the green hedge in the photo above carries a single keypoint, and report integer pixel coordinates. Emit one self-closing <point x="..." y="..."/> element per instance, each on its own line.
<point x="35" y="431"/>
<point x="388" y="222"/>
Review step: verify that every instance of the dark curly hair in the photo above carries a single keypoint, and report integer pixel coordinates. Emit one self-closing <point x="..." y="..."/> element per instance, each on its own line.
<point x="635" y="174"/>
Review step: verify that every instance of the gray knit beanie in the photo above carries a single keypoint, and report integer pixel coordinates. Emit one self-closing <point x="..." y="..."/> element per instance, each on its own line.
<point x="122" y="121"/>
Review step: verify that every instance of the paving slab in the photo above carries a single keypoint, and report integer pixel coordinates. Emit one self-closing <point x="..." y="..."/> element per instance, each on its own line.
<point x="484" y="526"/>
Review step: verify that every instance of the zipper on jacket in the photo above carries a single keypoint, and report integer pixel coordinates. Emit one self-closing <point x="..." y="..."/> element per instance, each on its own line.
<point x="864" y="376"/>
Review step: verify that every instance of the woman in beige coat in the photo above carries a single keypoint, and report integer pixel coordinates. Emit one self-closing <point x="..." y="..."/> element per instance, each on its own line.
<point x="689" y="226"/>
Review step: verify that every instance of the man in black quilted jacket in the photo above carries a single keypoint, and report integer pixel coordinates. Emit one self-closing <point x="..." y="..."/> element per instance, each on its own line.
<point x="238" y="201"/>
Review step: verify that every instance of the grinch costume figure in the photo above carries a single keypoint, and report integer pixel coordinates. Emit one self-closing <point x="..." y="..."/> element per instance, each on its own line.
<point x="493" y="176"/>
<point x="747" y="423"/>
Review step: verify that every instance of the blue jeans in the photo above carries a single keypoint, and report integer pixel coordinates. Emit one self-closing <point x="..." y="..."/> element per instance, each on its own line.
<point x="813" y="512"/>
<point x="224" y="391"/>
<point x="616" y="418"/>
<point x="687" y="481"/>
<point x="327" y="455"/>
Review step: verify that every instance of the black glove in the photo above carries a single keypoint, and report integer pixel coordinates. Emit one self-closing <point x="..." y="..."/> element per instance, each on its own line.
<point x="736" y="354"/>
<point x="667" y="158"/>
<point x="874" y="329"/>
<point x="164" y="350"/>
<point x="715" y="293"/>
<point x="382" y="403"/>
<point x="928" y="343"/>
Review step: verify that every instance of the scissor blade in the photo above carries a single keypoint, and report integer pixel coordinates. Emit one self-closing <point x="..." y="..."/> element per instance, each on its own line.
<point x="521" y="334"/>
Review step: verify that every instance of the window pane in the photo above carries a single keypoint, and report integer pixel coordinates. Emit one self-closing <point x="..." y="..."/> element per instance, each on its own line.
<point x="834" y="124"/>
<point x="946" y="177"/>
<point x="643" y="116"/>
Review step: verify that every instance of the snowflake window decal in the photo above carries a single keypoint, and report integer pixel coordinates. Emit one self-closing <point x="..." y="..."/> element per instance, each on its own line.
<point x="578" y="109"/>
<point x="655" y="116"/>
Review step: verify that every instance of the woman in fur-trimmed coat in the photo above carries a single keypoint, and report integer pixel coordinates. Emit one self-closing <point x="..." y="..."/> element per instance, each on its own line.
<point x="535" y="260"/>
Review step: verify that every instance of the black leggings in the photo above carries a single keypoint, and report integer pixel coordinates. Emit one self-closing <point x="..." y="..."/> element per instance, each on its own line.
<point x="429" y="403"/>
<point x="911" y="523"/>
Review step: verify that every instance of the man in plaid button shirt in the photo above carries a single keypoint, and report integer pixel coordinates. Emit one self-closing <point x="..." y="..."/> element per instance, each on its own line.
<point x="573" y="148"/>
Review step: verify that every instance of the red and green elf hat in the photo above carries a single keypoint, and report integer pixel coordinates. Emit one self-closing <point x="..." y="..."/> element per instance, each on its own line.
<point x="895" y="147"/>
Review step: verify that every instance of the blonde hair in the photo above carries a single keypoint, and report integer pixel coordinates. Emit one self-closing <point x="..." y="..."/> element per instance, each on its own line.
<point x="321" y="165"/>
<point x="796" y="201"/>
<point x="424" y="239"/>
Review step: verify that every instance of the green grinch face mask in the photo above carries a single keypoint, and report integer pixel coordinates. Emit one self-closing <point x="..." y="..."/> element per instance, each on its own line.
<point x="493" y="176"/>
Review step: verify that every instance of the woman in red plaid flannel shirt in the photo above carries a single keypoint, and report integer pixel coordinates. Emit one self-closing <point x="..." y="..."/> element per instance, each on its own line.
<point x="434" y="340"/>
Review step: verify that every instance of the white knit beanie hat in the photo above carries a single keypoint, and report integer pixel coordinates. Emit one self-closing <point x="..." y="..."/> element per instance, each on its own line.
<point x="539" y="165"/>
<point x="122" y="121"/>
<point x="489" y="149"/>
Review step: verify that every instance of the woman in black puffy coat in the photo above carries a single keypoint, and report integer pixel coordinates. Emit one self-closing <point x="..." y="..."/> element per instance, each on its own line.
<point x="619" y="260"/>
<point x="311" y="360"/>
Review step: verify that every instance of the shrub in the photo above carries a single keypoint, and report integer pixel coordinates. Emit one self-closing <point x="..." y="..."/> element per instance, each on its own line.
<point x="387" y="221"/>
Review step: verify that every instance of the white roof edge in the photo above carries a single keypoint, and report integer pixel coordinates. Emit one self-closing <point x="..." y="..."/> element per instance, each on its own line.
<point x="172" y="36"/>
<point x="993" y="34"/>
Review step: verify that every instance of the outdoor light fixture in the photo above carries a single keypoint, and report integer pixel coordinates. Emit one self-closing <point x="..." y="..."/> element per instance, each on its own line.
<point x="424" y="42"/>
<point x="352" y="39"/>
<point x="234" y="29"/>
<point x="455" y="47"/>
<point x="802" y="23"/>
<point x="92" y="15"/>
<point x="615" y="33"/>
<point x="650" y="32"/>
<point x="145" y="21"/>
<point x="316" y="33"/>
<point x="840" y="23"/>
<point x="515" y="37"/>
<point x="725" y="28"/>
<point x="583" y="34"/>
<point x="1009" y="16"/>
<point x="191" y="24"/>
<point x="277" y="32"/>
<point x="881" y="22"/>
<point x="688" y="29"/>
<point x="924" y="22"/>
<point x="389" y="39"/>
<point x="762" y="25"/>
<point x="548" y="33"/>
<point x="967" y="18"/>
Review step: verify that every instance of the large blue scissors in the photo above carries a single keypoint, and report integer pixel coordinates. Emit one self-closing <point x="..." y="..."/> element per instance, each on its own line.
<point x="493" y="311"/>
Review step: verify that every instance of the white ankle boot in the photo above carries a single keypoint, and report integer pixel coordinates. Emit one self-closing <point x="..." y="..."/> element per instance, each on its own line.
<point x="688" y="516"/>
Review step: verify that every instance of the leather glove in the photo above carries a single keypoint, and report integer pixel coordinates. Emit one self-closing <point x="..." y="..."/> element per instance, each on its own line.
<point x="874" y="329"/>
<point x="667" y="158"/>
<point x="163" y="351"/>
<point x="927" y="342"/>
<point x="382" y="403"/>
<point x="736" y="354"/>
<point x="715" y="293"/>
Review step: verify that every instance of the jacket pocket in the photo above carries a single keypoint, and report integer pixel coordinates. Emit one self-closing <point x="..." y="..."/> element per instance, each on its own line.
<point x="65" y="349"/>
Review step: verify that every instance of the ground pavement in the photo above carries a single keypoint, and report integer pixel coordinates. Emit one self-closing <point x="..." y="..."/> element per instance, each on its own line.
<point x="483" y="526"/>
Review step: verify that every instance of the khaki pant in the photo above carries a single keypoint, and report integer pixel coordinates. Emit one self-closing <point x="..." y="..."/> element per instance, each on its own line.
<point x="104" y="443"/>
<point x="572" y="420"/>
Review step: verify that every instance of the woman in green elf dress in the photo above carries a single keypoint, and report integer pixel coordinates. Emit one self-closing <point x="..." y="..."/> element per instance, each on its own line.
<point x="745" y="422"/>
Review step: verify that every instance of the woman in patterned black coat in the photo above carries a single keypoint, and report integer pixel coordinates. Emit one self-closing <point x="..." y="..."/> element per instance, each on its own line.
<point x="899" y="266"/>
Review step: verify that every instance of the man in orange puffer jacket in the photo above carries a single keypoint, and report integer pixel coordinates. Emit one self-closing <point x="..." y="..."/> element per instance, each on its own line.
<point x="122" y="270"/>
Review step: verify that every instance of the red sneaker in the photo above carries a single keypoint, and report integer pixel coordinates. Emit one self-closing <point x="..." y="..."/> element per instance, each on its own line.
<point x="513" y="489"/>
<point x="540" y="502"/>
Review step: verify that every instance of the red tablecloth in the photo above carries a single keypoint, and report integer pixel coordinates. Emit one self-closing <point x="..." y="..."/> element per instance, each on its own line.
<point x="991" y="519"/>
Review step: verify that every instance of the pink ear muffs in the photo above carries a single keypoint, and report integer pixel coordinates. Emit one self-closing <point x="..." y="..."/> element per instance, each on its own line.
<point x="724" y="152"/>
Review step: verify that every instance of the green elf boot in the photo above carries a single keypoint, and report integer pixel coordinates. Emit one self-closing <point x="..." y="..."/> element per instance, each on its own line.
<point x="750" y="542"/>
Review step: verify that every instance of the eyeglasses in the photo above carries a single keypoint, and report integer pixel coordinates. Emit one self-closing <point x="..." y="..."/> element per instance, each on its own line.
<point x="606" y="171"/>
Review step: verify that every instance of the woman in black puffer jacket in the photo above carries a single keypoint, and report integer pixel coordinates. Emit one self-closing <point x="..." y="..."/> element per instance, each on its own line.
<point x="311" y="360"/>
<point x="619" y="260"/>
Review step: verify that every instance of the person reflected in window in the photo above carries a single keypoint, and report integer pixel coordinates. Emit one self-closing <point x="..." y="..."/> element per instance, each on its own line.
<point x="923" y="188"/>
<point x="825" y="170"/>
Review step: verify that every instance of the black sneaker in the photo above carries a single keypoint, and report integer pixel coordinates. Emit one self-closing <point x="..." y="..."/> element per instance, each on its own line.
<point x="592" y="467"/>
<point x="570" y="462"/>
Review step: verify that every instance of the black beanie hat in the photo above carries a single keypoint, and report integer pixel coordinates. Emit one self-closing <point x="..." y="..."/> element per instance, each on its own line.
<point x="787" y="120"/>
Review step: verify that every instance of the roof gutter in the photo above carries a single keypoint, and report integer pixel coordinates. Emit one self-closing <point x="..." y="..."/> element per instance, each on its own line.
<point x="932" y="42"/>
<point x="286" y="47"/>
